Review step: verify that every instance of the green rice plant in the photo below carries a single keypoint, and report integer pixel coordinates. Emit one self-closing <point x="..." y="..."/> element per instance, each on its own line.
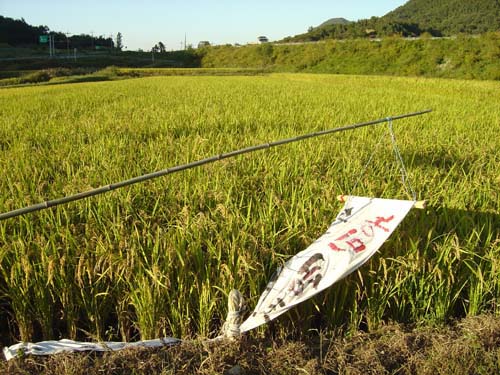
<point x="159" y="258"/>
<point x="16" y="290"/>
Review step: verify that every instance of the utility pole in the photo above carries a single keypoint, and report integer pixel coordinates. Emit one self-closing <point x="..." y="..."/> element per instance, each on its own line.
<point x="67" y="43"/>
<point x="185" y="47"/>
<point x="51" y="45"/>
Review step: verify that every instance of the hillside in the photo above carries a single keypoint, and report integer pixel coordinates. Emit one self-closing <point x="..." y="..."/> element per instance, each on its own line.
<point x="462" y="57"/>
<point x="449" y="17"/>
<point x="438" y="18"/>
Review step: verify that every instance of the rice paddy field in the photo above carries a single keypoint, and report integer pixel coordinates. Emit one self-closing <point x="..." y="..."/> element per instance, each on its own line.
<point x="159" y="258"/>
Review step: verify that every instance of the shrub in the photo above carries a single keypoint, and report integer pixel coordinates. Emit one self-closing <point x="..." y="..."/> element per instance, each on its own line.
<point x="36" y="77"/>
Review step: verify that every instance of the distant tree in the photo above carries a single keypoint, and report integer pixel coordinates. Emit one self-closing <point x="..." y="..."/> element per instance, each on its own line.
<point x="203" y="43"/>
<point x="161" y="47"/>
<point x="101" y="42"/>
<point x="19" y="33"/>
<point x="84" y="41"/>
<point x="119" y="41"/>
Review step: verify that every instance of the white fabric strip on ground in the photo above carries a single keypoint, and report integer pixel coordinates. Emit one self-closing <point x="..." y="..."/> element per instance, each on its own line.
<point x="53" y="347"/>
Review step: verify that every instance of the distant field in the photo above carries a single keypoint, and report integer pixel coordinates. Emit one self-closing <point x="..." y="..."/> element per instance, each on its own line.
<point x="57" y="76"/>
<point x="147" y="72"/>
<point x="159" y="258"/>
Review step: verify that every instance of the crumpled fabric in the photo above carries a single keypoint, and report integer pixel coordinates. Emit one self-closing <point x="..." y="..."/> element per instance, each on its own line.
<point x="64" y="345"/>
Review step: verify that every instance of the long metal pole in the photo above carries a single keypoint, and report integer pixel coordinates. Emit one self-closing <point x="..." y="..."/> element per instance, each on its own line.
<point x="149" y="176"/>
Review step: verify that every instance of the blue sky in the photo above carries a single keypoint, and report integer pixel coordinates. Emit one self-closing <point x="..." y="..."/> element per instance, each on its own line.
<point x="143" y="23"/>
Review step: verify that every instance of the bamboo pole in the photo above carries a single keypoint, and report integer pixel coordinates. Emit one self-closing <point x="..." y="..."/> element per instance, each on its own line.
<point x="149" y="176"/>
<point x="418" y="204"/>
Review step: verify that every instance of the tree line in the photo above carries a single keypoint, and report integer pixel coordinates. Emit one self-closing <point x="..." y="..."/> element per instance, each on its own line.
<point x="18" y="33"/>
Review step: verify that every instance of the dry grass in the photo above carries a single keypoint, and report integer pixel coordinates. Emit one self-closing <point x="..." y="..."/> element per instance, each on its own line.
<point x="469" y="346"/>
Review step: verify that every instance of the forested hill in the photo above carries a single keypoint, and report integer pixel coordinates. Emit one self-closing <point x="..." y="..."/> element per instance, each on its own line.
<point x="449" y="17"/>
<point x="438" y="18"/>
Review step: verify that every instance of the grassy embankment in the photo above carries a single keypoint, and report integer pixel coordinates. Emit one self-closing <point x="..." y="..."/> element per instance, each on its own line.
<point x="462" y="57"/>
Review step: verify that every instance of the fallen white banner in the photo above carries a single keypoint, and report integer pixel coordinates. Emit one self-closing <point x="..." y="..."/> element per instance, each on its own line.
<point x="359" y="230"/>
<point x="61" y="346"/>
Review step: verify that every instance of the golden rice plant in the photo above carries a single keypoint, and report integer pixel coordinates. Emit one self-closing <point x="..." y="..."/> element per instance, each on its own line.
<point x="159" y="258"/>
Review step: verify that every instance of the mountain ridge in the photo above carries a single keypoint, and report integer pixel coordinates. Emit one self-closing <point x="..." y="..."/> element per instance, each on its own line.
<point x="414" y="18"/>
<point x="335" y="21"/>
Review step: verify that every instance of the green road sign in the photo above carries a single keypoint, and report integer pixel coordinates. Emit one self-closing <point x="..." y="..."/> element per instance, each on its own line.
<point x="43" y="38"/>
